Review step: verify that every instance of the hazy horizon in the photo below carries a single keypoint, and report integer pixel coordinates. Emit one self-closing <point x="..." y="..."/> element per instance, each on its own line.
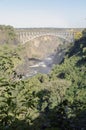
<point x="43" y="13"/>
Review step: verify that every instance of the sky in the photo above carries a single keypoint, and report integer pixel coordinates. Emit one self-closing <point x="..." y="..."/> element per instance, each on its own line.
<point x="43" y="13"/>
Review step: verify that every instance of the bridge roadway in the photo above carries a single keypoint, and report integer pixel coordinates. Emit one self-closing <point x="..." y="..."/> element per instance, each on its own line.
<point x="27" y="34"/>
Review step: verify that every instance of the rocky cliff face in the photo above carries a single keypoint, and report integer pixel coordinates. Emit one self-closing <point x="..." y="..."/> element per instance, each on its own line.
<point x="42" y="47"/>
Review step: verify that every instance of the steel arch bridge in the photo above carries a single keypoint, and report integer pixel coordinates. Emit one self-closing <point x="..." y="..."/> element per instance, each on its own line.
<point x="26" y="35"/>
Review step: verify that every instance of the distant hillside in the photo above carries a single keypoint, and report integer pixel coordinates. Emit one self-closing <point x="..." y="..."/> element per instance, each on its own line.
<point x="8" y="35"/>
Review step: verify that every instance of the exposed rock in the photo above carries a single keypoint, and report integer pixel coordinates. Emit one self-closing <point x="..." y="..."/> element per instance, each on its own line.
<point x="42" y="47"/>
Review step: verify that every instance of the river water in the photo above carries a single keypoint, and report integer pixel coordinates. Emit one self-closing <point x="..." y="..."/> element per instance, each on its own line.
<point x="45" y="65"/>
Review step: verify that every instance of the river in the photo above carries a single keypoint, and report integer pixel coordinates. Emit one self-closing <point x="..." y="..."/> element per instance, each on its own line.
<point x="45" y="65"/>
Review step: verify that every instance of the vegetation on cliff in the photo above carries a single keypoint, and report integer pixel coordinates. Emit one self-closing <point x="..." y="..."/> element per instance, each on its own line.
<point x="7" y="35"/>
<point x="56" y="101"/>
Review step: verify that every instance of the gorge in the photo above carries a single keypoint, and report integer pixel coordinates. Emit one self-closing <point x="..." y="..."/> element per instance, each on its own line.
<point x="41" y="54"/>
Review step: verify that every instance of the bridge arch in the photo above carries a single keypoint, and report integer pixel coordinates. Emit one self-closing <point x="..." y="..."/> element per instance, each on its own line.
<point x="29" y="36"/>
